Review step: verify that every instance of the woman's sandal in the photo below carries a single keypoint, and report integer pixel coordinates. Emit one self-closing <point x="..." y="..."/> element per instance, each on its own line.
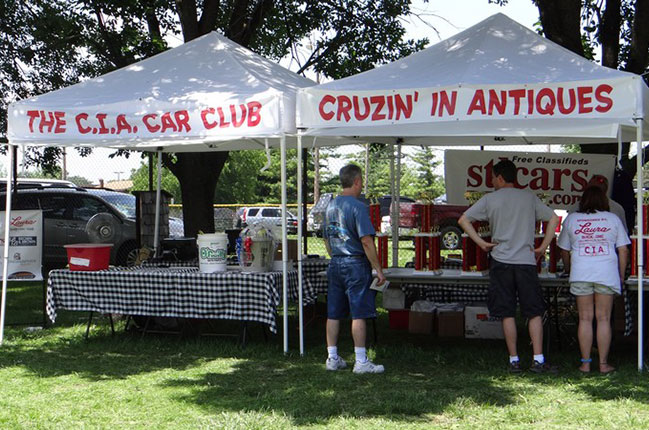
<point x="585" y="361"/>
<point x="607" y="368"/>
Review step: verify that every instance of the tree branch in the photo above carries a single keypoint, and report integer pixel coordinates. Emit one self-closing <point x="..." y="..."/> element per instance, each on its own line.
<point x="115" y="53"/>
<point x="262" y="8"/>
<point x="238" y="21"/>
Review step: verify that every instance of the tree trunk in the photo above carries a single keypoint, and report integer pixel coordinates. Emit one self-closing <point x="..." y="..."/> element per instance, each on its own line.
<point x="638" y="52"/>
<point x="198" y="174"/>
<point x="610" y="33"/>
<point x="561" y="21"/>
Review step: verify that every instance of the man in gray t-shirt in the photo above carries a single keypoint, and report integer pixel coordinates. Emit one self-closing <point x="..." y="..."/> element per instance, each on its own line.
<point x="512" y="214"/>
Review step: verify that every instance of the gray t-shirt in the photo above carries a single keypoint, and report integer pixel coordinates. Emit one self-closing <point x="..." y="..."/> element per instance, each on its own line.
<point x="511" y="213"/>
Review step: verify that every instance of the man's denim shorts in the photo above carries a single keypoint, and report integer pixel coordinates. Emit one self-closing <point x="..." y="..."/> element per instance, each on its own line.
<point x="349" y="288"/>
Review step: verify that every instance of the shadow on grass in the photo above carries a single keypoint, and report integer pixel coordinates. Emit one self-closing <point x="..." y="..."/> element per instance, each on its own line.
<point x="309" y="395"/>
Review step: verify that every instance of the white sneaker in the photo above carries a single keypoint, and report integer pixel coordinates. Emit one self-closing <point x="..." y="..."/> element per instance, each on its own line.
<point x="335" y="363"/>
<point x="368" y="367"/>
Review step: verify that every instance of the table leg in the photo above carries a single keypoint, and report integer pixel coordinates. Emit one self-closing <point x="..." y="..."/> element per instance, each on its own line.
<point x="244" y="332"/>
<point x="88" y="327"/>
<point x="112" y="326"/>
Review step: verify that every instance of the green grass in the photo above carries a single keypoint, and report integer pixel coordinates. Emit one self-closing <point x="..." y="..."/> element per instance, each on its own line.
<point x="54" y="379"/>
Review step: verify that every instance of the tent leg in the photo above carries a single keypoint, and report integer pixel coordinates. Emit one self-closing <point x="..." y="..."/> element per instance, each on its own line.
<point x="284" y="244"/>
<point x="5" y="259"/>
<point x="156" y="231"/>
<point x="300" y="304"/>
<point x="640" y="223"/>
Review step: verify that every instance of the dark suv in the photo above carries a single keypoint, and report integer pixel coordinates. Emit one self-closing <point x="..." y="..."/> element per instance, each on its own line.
<point x="66" y="212"/>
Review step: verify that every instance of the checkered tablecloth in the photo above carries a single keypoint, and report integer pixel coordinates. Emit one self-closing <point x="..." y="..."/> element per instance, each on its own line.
<point x="314" y="282"/>
<point x="181" y="292"/>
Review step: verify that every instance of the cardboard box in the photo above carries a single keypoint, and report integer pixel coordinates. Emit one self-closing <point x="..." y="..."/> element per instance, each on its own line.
<point x="479" y="325"/>
<point x="421" y="322"/>
<point x="292" y="250"/>
<point x="394" y="298"/>
<point x="450" y="323"/>
<point x="398" y="319"/>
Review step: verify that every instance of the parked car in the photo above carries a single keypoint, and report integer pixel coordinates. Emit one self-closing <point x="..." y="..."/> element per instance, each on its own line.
<point x="39" y="183"/>
<point x="123" y="202"/>
<point x="66" y="212"/>
<point x="269" y="215"/>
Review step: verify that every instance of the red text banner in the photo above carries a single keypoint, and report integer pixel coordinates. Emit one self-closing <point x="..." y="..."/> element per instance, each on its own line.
<point x="162" y="121"/>
<point x="586" y="99"/>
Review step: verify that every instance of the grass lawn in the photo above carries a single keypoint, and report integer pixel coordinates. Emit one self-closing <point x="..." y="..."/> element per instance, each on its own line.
<point x="54" y="379"/>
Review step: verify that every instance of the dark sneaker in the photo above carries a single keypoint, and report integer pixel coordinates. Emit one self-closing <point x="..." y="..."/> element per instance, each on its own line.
<point x="543" y="368"/>
<point x="515" y="367"/>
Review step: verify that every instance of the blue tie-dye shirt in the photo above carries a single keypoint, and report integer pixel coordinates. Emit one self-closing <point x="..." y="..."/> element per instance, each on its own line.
<point x="346" y="221"/>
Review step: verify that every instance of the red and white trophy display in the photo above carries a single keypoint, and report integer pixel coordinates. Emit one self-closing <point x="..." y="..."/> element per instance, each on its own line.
<point x="428" y="256"/>
<point x="474" y="259"/>
<point x="641" y="240"/>
<point x="381" y="239"/>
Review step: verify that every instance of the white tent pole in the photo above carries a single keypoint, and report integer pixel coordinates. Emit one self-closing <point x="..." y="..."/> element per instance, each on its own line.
<point x="393" y="220"/>
<point x="156" y="228"/>
<point x="299" y="242"/>
<point x="397" y="208"/>
<point x="284" y="244"/>
<point x="5" y="259"/>
<point x="640" y="236"/>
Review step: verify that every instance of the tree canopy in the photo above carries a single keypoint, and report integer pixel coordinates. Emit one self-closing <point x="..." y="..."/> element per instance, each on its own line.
<point x="48" y="45"/>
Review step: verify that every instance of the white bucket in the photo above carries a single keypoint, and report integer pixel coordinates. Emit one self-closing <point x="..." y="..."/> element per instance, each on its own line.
<point x="212" y="252"/>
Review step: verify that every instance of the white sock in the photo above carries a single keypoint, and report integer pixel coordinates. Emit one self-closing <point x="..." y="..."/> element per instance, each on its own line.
<point x="361" y="354"/>
<point x="332" y="351"/>
<point x="513" y="358"/>
<point x="539" y="358"/>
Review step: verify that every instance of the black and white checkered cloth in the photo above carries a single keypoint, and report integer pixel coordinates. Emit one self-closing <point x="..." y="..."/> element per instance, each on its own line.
<point x="314" y="282"/>
<point x="170" y="292"/>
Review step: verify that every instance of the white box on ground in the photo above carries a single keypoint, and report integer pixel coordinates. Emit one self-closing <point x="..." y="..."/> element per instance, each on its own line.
<point x="479" y="325"/>
<point x="394" y="298"/>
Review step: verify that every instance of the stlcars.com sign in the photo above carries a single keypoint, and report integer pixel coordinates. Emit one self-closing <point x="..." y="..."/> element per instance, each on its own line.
<point x="560" y="178"/>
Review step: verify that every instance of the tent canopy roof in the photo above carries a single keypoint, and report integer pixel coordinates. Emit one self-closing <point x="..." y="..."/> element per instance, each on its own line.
<point x="206" y="94"/>
<point x="211" y="64"/>
<point x="494" y="83"/>
<point x="495" y="51"/>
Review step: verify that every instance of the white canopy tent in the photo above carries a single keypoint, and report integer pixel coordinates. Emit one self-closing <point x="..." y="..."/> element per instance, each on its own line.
<point x="496" y="83"/>
<point x="209" y="94"/>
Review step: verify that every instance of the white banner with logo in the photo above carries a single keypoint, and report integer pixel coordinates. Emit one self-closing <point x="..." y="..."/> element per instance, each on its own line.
<point x="25" y="245"/>
<point x="558" y="178"/>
